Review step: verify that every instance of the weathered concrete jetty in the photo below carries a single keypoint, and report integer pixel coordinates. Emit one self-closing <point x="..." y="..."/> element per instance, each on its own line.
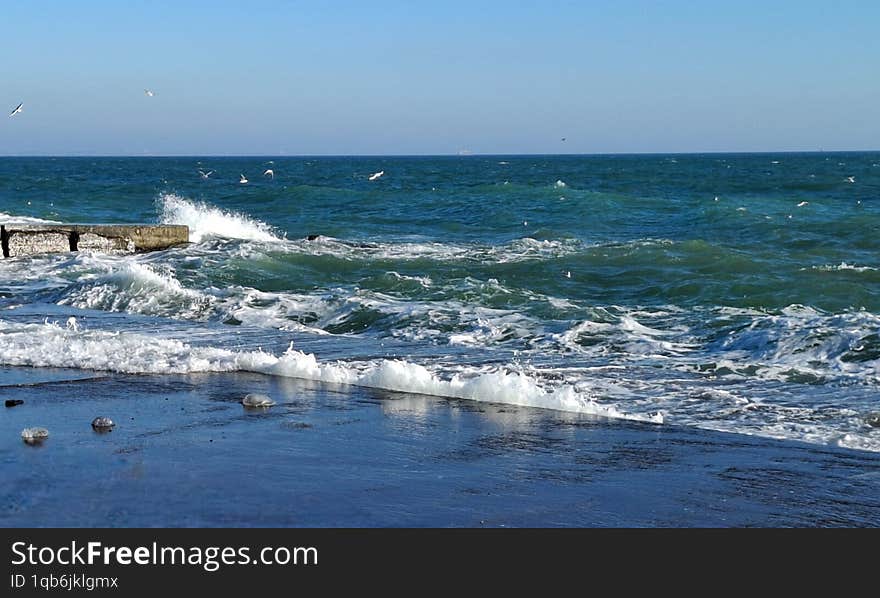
<point x="31" y="239"/>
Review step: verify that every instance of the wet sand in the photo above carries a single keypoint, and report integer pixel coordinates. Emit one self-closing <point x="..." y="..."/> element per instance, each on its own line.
<point x="185" y="452"/>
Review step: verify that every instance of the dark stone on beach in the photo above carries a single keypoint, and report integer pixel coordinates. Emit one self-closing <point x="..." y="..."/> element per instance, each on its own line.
<point x="34" y="435"/>
<point x="252" y="400"/>
<point x="14" y="402"/>
<point x="102" y="424"/>
<point x="312" y="237"/>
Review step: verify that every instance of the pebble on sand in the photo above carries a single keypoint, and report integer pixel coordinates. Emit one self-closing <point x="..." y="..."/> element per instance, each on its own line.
<point x="14" y="402"/>
<point x="257" y="400"/>
<point x="33" y="435"/>
<point x="103" y="424"/>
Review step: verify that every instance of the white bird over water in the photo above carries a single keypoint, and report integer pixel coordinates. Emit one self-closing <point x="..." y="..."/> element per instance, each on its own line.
<point x="850" y="179"/>
<point x="149" y="93"/>
<point x="204" y="174"/>
<point x="802" y="204"/>
<point x="376" y="175"/>
<point x="17" y="109"/>
<point x="269" y="172"/>
<point x="243" y="180"/>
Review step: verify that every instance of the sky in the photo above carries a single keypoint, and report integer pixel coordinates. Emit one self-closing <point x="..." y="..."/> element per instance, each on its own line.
<point x="396" y="78"/>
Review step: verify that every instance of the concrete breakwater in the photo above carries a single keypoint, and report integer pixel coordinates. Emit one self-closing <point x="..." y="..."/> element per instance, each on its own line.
<point x="30" y="239"/>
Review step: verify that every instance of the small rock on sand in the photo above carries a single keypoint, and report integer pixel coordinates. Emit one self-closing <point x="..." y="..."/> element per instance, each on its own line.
<point x="103" y="424"/>
<point x="14" y="402"/>
<point x="32" y="435"/>
<point x="257" y="400"/>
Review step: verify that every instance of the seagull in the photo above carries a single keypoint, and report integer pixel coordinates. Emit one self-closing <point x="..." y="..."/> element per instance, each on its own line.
<point x="205" y="174"/>
<point x="72" y="325"/>
<point x="568" y="273"/>
<point x="849" y="179"/>
<point x="802" y="204"/>
<point x="376" y="175"/>
<point x="269" y="172"/>
<point x="243" y="180"/>
<point x="17" y="109"/>
<point x="149" y="93"/>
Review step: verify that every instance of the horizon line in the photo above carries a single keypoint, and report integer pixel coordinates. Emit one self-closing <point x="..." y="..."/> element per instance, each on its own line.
<point x="446" y="155"/>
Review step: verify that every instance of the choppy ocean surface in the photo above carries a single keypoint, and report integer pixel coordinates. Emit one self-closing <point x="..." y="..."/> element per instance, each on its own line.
<point x="735" y="292"/>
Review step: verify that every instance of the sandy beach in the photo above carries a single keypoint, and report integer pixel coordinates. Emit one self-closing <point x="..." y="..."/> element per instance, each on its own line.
<point x="186" y="453"/>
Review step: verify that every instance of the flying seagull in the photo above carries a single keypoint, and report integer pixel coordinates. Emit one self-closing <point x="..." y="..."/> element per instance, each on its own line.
<point x="205" y="174"/>
<point x="243" y="179"/>
<point x="17" y="109"/>
<point x="849" y="179"/>
<point x="376" y="175"/>
<point x="269" y="172"/>
<point x="148" y="92"/>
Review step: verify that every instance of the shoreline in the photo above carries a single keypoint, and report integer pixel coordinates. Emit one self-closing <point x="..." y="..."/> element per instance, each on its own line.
<point x="185" y="453"/>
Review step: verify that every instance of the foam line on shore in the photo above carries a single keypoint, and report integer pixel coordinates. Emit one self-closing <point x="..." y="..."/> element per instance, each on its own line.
<point x="51" y="345"/>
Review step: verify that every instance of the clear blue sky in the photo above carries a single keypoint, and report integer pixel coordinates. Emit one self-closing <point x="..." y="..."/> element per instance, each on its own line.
<point x="411" y="77"/>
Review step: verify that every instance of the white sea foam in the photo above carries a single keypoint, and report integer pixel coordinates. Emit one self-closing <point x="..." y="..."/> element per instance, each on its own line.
<point x="22" y="276"/>
<point x="453" y="321"/>
<point x="519" y="250"/>
<point x="424" y="281"/>
<point x="843" y="266"/>
<point x="283" y="311"/>
<point x="802" y="341"/>
<point x="206" y="221"/>
<point x="134" y="284"/>
<point x="13" y="219"/>
<point x="134" y="287"/>
<point x="50" y="345"/>
<point x="796" y="344"/>
<point x="621" y="334"/>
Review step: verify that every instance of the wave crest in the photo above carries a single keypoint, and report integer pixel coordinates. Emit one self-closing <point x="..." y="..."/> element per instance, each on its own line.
<point x="206" y="221"/>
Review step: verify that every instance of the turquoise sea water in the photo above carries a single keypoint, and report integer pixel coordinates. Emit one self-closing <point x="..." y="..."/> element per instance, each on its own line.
<point x="736" y="292"/>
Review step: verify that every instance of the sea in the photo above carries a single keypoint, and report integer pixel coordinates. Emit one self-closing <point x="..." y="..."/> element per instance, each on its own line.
<point x="730" y="292"/>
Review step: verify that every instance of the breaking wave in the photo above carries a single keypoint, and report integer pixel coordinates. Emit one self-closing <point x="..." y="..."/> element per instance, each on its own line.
<point x="206" y="221"/>
<point x="50" y="345"/>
